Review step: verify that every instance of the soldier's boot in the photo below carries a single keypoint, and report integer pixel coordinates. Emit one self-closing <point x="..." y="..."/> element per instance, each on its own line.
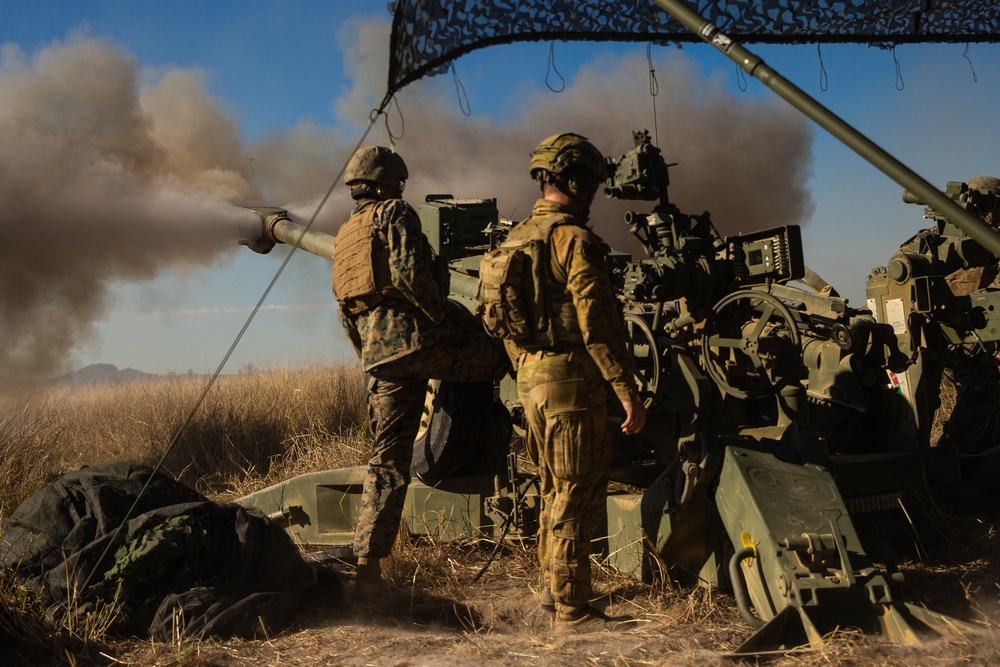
<point x="546" y="601"/>
<point x="368" y="579"/>
<point x="590" y="619"/>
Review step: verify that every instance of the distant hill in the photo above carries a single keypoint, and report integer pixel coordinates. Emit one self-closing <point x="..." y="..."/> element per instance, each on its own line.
<point x="95" y="374"/>
<point x="102" y="374"/>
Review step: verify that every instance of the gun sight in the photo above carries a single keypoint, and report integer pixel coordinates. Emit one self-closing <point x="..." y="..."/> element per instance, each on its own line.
<point x="640" y="174"/>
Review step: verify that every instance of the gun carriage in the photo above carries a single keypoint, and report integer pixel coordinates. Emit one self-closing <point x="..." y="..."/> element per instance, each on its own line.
<point x="777" y="413"/>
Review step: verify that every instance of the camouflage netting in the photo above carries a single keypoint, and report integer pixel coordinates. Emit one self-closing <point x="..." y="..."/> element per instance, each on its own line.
<point x="429" y="34"/>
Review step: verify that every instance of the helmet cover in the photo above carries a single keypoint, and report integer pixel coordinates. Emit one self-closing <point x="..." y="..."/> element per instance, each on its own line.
<point x="376" y="164"/>
<point x="991" y="183"/>
<point x="560" y="153"/>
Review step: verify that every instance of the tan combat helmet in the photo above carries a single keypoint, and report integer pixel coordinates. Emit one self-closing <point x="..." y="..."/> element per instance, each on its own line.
<point x="376" y="164"/>
<point x="575" y="163"/>
<point x="992" y="185"/>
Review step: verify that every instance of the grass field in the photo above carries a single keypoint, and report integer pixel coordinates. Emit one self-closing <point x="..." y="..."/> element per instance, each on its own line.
<point x="252" y="429"/>
<point x="256" y="429"/>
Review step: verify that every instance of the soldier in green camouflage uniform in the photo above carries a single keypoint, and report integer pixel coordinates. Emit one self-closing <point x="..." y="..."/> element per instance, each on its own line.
<point x="404" y="330"/>
<point x="562" y="383"/>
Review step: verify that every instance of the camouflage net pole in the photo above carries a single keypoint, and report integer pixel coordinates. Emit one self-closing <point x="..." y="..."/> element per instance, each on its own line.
<point x="848" y="135"/>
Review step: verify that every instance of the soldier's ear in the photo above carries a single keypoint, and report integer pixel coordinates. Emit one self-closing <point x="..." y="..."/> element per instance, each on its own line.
<point x="580" y="182"/>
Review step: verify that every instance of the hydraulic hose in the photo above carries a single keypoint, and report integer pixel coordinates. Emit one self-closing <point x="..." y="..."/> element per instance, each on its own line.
<point x="506" y="527"/>
<point x="740" y="587"/>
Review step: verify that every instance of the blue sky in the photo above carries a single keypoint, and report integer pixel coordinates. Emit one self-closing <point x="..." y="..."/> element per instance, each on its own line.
<point x="287" y="87"/>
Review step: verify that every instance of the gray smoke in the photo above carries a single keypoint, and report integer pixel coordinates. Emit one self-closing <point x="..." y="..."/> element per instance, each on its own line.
<point x="744" y="160"/>
<point x="100" y="182"/>
<point x="105" y="179"/>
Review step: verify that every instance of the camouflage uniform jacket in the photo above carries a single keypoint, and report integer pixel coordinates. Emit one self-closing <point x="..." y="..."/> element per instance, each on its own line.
<point x="395" y="327"/>
<point x="578" y="265"/>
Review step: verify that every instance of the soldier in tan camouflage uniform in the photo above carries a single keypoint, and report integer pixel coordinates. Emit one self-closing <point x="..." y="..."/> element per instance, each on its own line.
<point x="561" y="384"/>
<point x="405" y="331"/>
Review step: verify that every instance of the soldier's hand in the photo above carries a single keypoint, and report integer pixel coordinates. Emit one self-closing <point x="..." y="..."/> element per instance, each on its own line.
<point x="635" y="417"/>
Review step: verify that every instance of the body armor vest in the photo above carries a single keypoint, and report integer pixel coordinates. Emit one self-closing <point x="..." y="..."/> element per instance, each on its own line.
<point x="563" y="320"/>
<point x="361" y="276"/>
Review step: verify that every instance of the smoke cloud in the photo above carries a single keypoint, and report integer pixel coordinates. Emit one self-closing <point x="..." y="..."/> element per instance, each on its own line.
<point x="101" y="181"/>
<point x="745" y="161"/>
<point x="107" y="179"/>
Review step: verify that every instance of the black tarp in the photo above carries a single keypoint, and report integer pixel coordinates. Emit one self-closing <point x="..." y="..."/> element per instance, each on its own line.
<point x="182" y="566"/>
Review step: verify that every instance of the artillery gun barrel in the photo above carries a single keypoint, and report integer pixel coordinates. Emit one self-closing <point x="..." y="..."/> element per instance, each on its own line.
<point x="318" y="243"/>
<point x="848" y="135"/>
<point x="276" y="227"/>
<point x="463" y="287"/>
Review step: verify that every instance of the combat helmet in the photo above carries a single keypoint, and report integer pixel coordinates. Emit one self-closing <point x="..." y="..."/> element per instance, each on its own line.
<point x="575" y="164"/>
<point x="990" y="184"/>
<point x="376" y="164"/>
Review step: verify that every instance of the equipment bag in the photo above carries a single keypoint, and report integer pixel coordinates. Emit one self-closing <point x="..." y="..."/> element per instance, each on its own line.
<point x="512" y="291"/>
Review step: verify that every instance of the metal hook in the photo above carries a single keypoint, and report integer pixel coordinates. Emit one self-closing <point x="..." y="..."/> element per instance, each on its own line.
<point x="654" y="90"/>
<point x="741" y="79"/>
<point x="965" y="54"/>
<point x="460" y="92"/>
<point x="551" y="67"/>
<point x="393" y="138"/>
<point x="899" y="70"/>
<point x="654" y="86"/>
<point x="824" y="81"/>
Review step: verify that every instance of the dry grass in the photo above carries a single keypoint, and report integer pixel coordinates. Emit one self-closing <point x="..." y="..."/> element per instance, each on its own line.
<point x="257" y="429"/>
<point x="27" y="442"/>
<point x="252" y="430"/>
<point x="247" y="425"/>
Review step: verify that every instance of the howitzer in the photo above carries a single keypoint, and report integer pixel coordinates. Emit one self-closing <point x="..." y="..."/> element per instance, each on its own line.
<point x="773" y="393"/>
<point x="912" y="295"/>
<point x="777" y="413"/>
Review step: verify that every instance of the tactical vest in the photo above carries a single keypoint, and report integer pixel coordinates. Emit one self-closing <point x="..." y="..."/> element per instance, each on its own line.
<point x="517" y="297"/>
<point x="361" y="276"/>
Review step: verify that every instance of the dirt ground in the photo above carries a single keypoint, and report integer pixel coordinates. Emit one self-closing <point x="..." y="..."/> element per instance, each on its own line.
<point x="434" y="615"/>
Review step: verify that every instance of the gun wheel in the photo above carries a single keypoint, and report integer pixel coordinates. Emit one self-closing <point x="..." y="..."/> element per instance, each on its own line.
<point x="646" y="356"/>
<point x="463" y="429"/>
<point x="751" y="345"/>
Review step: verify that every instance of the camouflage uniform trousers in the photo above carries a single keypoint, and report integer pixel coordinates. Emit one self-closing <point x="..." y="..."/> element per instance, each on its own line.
<point x="972" y="425"/>
<point x="459" y="350"/>
<point x="565" y="404"/>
